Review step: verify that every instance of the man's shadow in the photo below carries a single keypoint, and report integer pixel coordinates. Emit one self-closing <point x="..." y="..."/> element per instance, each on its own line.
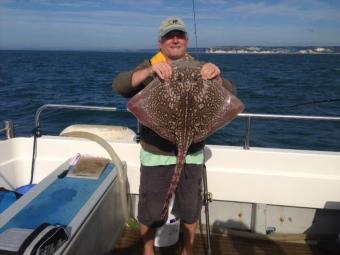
<point x="325" y="228"/>
<point x="225" y="240"/>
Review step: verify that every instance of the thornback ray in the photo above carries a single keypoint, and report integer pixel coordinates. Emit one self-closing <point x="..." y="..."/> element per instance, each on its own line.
<point x="185" y="109"/>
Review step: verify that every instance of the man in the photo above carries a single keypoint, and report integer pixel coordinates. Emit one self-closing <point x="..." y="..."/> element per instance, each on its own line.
<point x="158" y="156"/>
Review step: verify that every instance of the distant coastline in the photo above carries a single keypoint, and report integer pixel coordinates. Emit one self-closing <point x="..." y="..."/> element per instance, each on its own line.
<point x="212" y="50"/>
<point x="273" y="50"/>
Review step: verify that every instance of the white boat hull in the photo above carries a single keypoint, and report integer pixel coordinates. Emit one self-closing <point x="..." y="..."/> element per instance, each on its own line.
<point x="258" y="190"/>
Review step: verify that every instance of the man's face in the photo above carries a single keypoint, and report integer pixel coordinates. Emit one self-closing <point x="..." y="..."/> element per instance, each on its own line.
<point x="174" y="44"/>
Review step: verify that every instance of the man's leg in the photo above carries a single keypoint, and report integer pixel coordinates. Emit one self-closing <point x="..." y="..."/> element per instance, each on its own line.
<point x="189" y="231"/>
<point x="188" y="204"/>
<point x="148" y="235"/>
<point x="154" y="184"/>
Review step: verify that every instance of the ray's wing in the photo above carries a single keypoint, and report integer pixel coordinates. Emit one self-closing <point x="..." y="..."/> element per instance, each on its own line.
<point x="215" y="108"/>
<point x="154" y="108"/>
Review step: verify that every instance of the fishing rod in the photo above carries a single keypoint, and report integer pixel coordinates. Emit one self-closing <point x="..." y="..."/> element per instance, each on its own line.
<point x="195" y="30"/>
<point x="206" y="194"/>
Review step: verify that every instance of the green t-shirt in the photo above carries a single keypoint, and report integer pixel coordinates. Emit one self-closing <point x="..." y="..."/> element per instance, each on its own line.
<point x="151" y="159"/>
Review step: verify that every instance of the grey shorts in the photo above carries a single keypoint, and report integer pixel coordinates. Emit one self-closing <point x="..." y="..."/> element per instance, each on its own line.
<point x="154" y="184"/>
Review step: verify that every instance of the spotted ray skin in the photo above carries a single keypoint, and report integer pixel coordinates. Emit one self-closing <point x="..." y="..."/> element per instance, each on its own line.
<point x="183" y="110"/>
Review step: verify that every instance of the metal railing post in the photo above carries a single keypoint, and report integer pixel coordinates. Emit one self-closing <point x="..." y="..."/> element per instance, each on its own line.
<point x="247" y="137"/>
<point x="8" y="129"/>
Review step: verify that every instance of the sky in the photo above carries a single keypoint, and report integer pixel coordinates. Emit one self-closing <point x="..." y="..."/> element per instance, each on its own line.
<point x="134" y="24"/>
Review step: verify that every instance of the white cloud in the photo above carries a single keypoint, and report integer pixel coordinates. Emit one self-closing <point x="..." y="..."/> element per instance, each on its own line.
<point x="311" y="10"/>
<point x="111" y="23"/>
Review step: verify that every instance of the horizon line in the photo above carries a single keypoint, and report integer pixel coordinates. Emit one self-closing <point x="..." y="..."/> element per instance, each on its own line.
<point x="155" y="49"/>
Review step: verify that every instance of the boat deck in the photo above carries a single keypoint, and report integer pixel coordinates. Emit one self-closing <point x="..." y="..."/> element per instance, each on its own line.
<point x="131" y="244"/>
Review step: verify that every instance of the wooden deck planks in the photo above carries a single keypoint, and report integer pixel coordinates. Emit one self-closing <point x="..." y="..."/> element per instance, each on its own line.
<point x="131" y="244"/>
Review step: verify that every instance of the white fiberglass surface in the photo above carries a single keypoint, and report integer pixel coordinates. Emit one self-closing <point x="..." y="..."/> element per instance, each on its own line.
<point x="274" y="176"/>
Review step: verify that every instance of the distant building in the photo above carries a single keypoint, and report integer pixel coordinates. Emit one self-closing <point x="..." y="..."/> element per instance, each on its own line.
<point x="268" y="50"/>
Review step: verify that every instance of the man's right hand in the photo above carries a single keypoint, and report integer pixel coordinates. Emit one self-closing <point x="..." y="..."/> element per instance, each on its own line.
<point x="163" y="70"/>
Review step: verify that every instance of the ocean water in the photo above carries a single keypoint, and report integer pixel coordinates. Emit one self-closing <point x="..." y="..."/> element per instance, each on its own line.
<point x="272" y="84"/>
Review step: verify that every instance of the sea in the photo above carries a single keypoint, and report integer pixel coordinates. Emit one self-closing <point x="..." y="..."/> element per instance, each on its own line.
<point x="285" y="84"/>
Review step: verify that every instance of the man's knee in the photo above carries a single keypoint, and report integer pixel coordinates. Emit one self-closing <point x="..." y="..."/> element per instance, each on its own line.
<point x="190" y="227"/>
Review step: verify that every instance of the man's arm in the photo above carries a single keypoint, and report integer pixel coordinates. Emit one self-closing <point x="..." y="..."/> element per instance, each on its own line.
<point x="123" y="83"/>
<point x="162" y="69"/>
<point x="129" y="83"/>
<point x="138" y="77"/>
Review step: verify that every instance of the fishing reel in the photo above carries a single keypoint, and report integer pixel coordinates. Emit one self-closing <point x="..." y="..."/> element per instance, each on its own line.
<point x="207" y="197"/>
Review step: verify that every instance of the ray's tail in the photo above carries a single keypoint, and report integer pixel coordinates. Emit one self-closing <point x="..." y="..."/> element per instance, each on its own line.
<point x="174" y="181"/>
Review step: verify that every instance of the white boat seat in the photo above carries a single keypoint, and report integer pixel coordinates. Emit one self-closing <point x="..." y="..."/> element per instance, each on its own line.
<point x="107" y="132"/>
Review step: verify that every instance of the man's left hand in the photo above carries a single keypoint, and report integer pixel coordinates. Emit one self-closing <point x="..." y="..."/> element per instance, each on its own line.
<point x="210" y="71"/>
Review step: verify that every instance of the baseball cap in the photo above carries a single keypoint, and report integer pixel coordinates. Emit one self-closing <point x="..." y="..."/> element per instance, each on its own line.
<point x="171" y="24"/>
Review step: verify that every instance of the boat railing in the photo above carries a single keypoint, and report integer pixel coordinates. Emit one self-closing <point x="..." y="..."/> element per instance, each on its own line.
<point x="252" y="116"/>
<point x="249" y="117"/>
<point x="8" y="129"/>
<point x="72" y="107"/>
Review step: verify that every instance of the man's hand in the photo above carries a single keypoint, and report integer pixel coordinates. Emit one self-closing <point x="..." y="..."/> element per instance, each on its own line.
<point x="210" y="71"/>
<point x="163" y="70"/>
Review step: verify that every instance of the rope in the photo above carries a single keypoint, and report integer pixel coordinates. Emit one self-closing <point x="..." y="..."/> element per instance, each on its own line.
<point x="316" y="102"/>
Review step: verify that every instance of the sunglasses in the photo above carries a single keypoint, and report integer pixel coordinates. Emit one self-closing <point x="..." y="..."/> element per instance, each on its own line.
<point x="176" y="33"/>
